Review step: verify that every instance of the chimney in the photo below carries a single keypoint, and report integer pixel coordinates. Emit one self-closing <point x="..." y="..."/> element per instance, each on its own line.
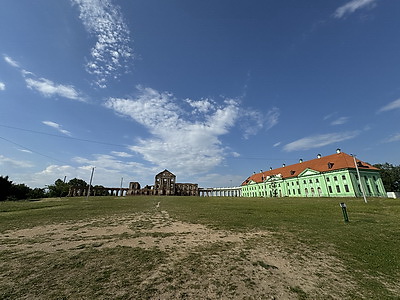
<point x="318" y="155"/>
<point x="300" y="160"/>
<point x="338" y="150"/>
<point x="284" y="165"/>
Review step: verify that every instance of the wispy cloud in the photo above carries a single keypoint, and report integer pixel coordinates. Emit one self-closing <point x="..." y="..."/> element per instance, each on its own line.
<point x="57" y="126"/>
<point x="277" y="144"/>
<point x="121" y="154"/>
<point x="49" y="88"/>
<point x="352" y="6"/>
<point x="14" y="162"/>
<point x="320" y="140"/>
<point x="252" y="121"/>
<point x="2" y="86"/>
<point x="112" y="51"/>
<point x="45" y="86"/>
<point x="190" y="146"/>
<point x="392" y="105"/>
<point x="340" y="121"/>
<point x="393" y="138"/>
<point x="184" y="134"/>
<point x="10" y="61"/>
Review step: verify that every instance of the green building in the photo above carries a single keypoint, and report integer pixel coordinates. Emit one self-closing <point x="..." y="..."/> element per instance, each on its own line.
<point x="336" y="175"/>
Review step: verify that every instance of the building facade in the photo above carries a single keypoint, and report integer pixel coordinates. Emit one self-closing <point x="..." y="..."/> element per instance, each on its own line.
<point x="164" y="184"/>
<point x="336" y="175"/>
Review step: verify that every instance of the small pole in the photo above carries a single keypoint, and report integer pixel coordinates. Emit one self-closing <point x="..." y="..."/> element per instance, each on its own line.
<point x="359" y="178"/>
<point x="122" y="180"/>
<point x="344" y="211"/>
<point x="90" y="183"/>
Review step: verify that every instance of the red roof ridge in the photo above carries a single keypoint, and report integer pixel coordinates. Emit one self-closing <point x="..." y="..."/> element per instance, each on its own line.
<point x="336" y="161"/>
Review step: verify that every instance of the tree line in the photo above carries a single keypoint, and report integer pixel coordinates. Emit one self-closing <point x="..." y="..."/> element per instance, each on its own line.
<point x="10" y="191"/>
<point x="390" y="175"/>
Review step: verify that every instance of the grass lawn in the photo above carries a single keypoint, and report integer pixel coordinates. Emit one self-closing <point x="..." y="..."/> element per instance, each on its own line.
<point x="70" y="259"/>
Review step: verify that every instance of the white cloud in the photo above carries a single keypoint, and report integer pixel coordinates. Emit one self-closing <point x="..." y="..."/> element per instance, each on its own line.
<point x="277" y="144"/>
<point x="25" y="150"/>
<point x="320" y="140"/>
<point x="352" y="6"/>
<point x="57" y="126"/>
<point x="2" y="86"/>
<point x="48" y="88"/>
<point x="340" y="121"/>
<point x="201" y="106"/>
<point x="392" y="105"/>
<point x="190" y="141"/>
<point x="45" y="86"/>
<point x="253" y="121"/>
<point x="10" y="61"/>
<point x="272" y="117"/>
<point x="121" y="154"/>
<point x="14" y="162"/>
<point x="112" y="51"/>
<point x="189" y="146"/>
<point x="393" y="138"/>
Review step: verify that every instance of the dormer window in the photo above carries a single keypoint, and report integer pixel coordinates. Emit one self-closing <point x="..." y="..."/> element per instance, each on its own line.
<point x="330" y="165"/>
<point x="292" y="172"/>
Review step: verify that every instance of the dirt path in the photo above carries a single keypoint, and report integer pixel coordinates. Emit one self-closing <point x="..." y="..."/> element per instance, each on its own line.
<point x="201" y="263"/>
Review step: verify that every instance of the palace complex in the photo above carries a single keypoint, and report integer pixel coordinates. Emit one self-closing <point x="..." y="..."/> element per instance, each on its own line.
<point x="336" y="175"/>
<point x="164" y="184"/>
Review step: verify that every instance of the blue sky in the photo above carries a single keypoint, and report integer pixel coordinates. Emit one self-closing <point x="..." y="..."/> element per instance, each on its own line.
<point x="210" y="90"/>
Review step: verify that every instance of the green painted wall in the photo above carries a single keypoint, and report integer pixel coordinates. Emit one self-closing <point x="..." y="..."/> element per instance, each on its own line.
<point x="340" y="183"/>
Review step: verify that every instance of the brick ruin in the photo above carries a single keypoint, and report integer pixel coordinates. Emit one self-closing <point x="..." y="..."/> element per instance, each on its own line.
<point x="164" y="184"/>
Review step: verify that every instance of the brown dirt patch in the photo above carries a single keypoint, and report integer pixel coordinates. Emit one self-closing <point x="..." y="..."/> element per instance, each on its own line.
<point x="200" y="263"/>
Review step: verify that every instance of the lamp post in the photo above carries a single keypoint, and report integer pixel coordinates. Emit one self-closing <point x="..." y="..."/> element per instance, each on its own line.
<point x="90" y="184"/>
<point x="359" y="178"/>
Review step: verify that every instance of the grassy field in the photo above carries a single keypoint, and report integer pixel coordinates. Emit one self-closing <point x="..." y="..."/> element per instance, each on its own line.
<point x="199" y="248"/>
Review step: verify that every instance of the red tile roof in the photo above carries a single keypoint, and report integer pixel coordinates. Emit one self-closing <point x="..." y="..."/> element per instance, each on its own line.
<point x="332" y="162"/>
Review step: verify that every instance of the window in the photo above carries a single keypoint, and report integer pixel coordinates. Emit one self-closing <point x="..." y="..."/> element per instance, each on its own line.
<point x="338" y="189"/>
<point x="368" y="188"/>
<point x="377" y="189"/>
<point x="330" y="189"/>
<point x="344" y="177"/>
<point x="310" y="180"/>
<point x="335" y="178"/>
<point x="298" y="191"/>
<point x="294" y="192"/>
<point x="297" y="183"/>
<point x="317" y="180"/>
<point x="304" y="182"/>
<point x="346" y="188"/>
<point x="327" y="179"/>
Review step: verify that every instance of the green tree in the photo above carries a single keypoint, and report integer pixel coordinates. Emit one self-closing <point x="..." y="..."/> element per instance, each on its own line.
<point x="37" y="193"/>
<point x="390" y="175"/>
<point x="58" y="189"/>
<point x="5" y="188"/>
<point x="19" y="192"/>
<point x="77" y="182"/>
